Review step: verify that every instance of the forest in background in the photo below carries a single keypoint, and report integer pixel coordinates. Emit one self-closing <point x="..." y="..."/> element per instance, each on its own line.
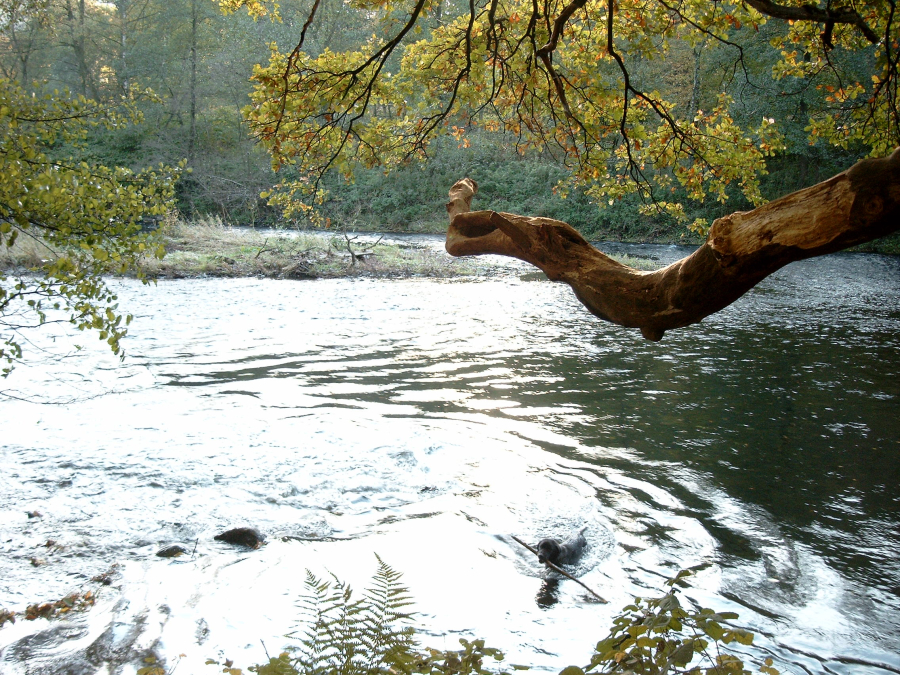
<point x="197" y="63"/>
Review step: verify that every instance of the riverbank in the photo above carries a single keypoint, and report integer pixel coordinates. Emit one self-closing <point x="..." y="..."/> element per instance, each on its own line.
<point x="210" y="248"/>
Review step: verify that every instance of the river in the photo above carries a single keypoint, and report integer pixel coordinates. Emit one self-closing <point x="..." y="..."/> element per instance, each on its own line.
<point x="427" y="421"/>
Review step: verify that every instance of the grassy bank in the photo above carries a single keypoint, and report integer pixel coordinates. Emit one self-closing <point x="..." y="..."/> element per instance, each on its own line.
<point x="209" y="248"/>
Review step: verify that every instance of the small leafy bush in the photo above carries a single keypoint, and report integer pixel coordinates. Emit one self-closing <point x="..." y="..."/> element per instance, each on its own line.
<point x="657" y="636"/>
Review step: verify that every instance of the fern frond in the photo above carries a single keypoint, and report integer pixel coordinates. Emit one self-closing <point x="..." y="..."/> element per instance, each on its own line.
<point x="345" y="636"/>
<point x="388" y="598"/>
<point x="386" y="601"/>
<point x="369" y="636"/>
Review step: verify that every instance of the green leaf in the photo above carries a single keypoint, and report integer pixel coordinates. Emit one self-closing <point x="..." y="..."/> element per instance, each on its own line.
<point x="571" y="670"/>
<point x="743" y="637"/>
<point x="713" y="629"/>
<point x="683" y="655"/>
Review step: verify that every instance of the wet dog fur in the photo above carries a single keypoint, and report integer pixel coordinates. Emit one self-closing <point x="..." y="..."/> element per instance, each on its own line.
<point x="565" y="553"/>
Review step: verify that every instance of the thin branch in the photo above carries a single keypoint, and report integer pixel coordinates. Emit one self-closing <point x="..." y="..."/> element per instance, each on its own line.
<point x="292" y="59"/>
<point x="557" y="569"/>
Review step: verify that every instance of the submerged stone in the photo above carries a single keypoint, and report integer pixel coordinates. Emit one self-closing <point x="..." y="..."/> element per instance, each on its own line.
<point x="242" y="536"/>
<point x="171" y="552"/>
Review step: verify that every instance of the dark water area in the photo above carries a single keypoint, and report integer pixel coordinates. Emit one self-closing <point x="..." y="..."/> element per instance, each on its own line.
<point x="431" y="420"/>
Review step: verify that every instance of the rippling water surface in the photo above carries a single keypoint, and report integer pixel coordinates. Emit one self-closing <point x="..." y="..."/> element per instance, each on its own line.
<point x="427" y="421"/>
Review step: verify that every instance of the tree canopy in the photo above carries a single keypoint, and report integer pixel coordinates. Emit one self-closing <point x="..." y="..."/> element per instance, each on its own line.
<point x="610" y="86"/>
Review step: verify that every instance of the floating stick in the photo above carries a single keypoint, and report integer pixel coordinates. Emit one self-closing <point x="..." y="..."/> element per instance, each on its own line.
<point x="557" y="569"/>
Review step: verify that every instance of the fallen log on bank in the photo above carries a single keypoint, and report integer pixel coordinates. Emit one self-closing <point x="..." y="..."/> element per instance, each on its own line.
<point x="853" y="207"/>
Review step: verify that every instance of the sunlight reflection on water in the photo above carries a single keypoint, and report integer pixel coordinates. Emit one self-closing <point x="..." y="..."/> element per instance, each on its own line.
<point x="427" y="421"/>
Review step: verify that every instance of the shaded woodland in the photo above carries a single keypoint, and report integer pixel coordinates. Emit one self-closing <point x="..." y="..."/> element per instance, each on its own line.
<point x="189" y="67"/>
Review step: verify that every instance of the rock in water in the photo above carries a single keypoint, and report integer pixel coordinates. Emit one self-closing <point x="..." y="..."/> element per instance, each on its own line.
<point x="171" y="552"/>
<point x="242" y="536"/>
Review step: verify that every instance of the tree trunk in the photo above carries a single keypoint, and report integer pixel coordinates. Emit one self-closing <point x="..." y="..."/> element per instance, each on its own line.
<point x="21" y="31"/>
<point x="78" y="30"/>
<point x="122" y="10"/>
<point x="858" y="205"/>
<point x="695" y="85"/>
<point x="192" y="133"/>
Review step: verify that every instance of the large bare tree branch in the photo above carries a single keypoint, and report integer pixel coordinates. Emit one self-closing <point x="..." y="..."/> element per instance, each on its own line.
<point x="858" y="205"/>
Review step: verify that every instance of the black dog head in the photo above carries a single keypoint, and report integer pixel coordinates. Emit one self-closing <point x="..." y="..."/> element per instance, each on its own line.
<point x="548" y="550"/>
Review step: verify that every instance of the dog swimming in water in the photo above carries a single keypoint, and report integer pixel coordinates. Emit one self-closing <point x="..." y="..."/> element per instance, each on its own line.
<point x="565" y="553"/>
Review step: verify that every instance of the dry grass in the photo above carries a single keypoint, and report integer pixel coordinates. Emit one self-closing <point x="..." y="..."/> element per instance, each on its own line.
<point x="208" y="247"/>
<point x="26" y="253"/>
<point x="644" y="264"/>
<point x="211" y="248"/>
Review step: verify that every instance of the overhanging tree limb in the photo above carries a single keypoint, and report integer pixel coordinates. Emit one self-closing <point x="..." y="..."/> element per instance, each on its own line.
<point x="810" y="12"/>
<point x="853" y="207"/>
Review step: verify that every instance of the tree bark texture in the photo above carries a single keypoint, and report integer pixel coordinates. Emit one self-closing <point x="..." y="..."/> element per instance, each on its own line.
<point x="856" y="206"/>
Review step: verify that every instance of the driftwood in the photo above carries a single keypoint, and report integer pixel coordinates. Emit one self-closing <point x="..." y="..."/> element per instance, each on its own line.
<point x="856" y="206"/>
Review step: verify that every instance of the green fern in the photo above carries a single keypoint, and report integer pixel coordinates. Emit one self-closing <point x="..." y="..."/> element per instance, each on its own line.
<point x="386" y="618"/>
<point x="341" y="635"/>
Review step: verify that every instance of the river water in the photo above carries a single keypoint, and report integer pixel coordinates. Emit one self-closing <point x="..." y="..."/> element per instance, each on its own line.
<point x="427" y="421"/>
